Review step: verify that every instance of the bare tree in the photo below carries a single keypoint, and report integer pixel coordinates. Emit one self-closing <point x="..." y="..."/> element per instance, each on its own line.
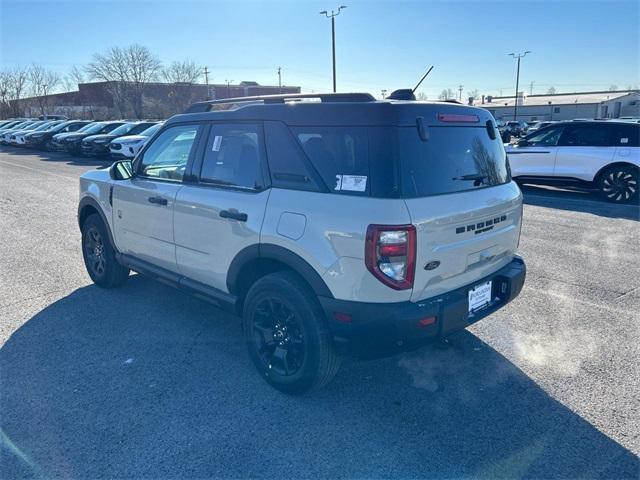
<point x="41" y="83"/>
<point x="5" y="86"/>
<point x="127" y="69"/>
<point x="551" y="90"/>
<point x="447" y="94"/>
<point x="421" y="96"/>
<point x="473" y="94"/>
<point x="72" y="79"/>
<point x="613" y="88"/>
<point x="186" y="71"/>
<point x="13" y="83"/>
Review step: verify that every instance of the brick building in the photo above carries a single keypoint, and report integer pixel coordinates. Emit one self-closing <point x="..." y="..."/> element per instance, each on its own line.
<point x="105" y="100"/>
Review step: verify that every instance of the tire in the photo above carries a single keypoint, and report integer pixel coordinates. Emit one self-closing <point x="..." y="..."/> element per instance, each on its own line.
<point x="287" y="334"/>
<point x="100" y="255"/>
<point x="619" y="184"/>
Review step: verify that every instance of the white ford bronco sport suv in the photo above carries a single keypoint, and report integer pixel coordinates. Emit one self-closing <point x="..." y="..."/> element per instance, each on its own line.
<point x="342" y="225"/>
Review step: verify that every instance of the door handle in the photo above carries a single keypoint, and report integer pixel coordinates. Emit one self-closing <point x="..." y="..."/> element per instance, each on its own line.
<point x="158" y="200"/>
<point x="241" y="217"/>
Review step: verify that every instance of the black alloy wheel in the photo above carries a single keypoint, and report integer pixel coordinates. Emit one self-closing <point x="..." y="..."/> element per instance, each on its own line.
<point x="278" y="337"/>
<point x="95" y="251"/>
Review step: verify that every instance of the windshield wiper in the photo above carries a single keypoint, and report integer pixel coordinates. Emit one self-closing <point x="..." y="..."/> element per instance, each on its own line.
<point x="471" y="176"/>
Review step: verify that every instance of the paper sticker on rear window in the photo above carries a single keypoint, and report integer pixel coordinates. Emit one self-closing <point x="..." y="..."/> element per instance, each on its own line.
<point x="624" y="140"/>
<point x="217" y="141"/>
<point x="352" y="183"/>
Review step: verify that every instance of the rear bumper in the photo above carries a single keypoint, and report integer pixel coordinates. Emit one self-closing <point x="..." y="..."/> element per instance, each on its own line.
<point x="381" y="328"/>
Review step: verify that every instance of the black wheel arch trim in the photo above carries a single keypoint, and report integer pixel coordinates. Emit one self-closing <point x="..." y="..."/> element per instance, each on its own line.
<point x="280" y="254"/>
<point x="92" y="202"/>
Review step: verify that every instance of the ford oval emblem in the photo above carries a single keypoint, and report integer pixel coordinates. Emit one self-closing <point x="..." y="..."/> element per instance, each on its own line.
<point x="432" y="265"/>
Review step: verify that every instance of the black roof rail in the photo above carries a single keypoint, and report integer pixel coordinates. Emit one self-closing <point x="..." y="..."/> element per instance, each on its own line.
<point x="271" y="99"/>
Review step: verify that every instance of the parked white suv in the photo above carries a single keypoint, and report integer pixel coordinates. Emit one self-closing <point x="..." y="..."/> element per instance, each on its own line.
<point x="345" y="225"/>
<point x="605" y="155"/>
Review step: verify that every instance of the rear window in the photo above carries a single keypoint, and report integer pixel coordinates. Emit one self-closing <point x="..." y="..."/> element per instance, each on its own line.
<point x="453" y="159"/>
<point x="391" y="162"/>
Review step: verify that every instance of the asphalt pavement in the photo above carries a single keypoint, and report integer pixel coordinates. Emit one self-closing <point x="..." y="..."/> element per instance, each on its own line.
<point x="146" y="381"/>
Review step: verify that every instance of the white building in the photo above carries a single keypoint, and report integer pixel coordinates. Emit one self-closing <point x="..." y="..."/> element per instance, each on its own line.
<point x="565" y="106"/>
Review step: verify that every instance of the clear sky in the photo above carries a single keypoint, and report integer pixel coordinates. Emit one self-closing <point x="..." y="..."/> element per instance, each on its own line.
<point x="576" y="45"/>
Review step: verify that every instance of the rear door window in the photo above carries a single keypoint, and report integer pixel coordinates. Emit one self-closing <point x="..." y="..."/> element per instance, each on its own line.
<point x="453" y="159"/>
<point x="586" y="135"/>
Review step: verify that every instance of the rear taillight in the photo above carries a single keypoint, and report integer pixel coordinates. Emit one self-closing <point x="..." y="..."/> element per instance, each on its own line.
<point x="390" y="254"/>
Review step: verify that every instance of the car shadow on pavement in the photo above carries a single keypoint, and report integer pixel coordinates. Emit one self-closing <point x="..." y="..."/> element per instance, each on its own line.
<point x="577" y="199"/>
<point x="145" y="381"/>
<point x="59" y="157"/>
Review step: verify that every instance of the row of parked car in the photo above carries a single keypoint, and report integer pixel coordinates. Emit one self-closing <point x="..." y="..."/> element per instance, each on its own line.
<point x="519" y="128"/>
<point x="117" y="139"/>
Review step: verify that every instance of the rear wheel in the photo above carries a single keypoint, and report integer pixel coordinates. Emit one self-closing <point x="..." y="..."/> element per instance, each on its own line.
<point x="619" y="184"/>
<point x="100" y="256"/>
<point x="287" y="335"/>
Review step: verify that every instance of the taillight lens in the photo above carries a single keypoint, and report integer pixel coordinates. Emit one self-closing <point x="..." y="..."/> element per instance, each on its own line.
<point x="390" y="254"/>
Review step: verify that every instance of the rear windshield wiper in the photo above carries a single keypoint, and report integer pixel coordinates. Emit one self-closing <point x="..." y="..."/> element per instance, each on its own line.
<point x="471" y="176"/>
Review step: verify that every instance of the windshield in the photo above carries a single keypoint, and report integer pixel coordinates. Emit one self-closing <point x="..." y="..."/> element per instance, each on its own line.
<point x="109" y="127"/>
<point x="454" y="159"/>
<point x="92" y="128"/>
<point x="123" y="129"/>
<point x="59" y="126"/>
<point x="45" y="126"/>
<point x="151" y="130"/>
<point x="88" y="127"/>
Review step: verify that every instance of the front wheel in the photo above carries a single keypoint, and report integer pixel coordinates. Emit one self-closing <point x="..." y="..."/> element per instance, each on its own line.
<point x="100" y="256"/>
<point x="287" y="335"/>
<point x="619" y="184"/>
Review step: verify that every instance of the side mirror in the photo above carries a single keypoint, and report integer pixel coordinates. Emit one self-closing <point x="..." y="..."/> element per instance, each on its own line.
<point x="121" y="170"/>
<point x="523" y="143"/>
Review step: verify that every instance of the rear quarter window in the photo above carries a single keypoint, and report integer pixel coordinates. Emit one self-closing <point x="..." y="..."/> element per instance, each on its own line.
<point x="339" y="155"/>
<point x="625" y="135"/>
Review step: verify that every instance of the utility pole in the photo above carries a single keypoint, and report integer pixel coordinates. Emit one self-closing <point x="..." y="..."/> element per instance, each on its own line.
<point x="460" y="87"/>
<point x="228" y="88"/>
<point x="531" y="87"/>
<point x="383" y="92"/>
<point x="206" y="81"/>
<point x="333" y="38"/>
<point x="279" y="80"/>
<point x="515" y="103"/>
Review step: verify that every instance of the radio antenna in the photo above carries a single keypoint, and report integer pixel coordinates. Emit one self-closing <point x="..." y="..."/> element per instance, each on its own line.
<point x="422" y="79"/>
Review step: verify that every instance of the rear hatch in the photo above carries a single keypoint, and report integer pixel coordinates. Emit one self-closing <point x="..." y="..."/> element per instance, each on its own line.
<point x="458" y="191"/>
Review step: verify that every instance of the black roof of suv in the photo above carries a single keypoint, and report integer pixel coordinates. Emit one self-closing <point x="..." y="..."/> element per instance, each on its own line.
<point x="332" y="109"/>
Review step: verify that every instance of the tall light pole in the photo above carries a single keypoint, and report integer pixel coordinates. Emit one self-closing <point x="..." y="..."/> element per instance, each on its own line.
<point x="515" y="103"/>
<point x="279" y="79"/>
<point x="333" y="38"/>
